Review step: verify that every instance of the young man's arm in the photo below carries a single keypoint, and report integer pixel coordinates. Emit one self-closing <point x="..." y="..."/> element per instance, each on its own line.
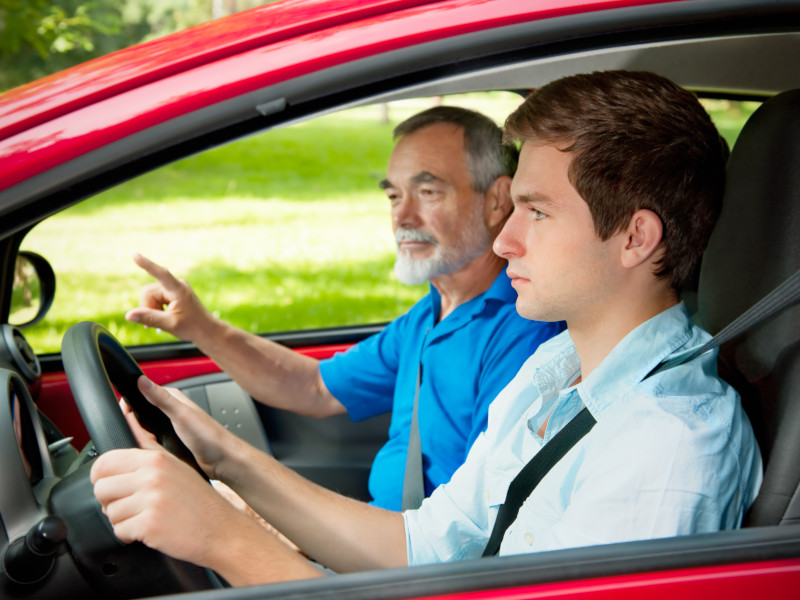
<point x="150" y="496"/>
<point x="340" y="533"/>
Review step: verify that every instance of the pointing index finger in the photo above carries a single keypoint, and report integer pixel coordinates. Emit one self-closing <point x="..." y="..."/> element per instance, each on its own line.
<point x="162" y="274"/>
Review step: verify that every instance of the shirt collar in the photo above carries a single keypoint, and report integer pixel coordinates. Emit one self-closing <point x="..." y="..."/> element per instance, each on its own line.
<point x="500" y="290"/>
<point x="634" y="357"/>
<point x="622" y="370"/>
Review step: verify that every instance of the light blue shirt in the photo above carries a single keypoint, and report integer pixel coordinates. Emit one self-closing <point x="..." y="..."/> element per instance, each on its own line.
<point x="467" y="359"/>
<point x="673" y="454"/>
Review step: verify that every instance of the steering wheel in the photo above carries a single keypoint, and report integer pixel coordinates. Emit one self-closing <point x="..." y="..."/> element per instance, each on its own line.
<point x="96" y="363"/>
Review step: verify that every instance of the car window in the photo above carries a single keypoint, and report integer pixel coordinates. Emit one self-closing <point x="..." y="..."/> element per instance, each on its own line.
<point x="729" y="115"/>
<point x="285" y="230"/>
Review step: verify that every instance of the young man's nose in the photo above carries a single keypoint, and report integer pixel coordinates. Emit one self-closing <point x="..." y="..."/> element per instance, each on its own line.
<point x="509" y="242"/>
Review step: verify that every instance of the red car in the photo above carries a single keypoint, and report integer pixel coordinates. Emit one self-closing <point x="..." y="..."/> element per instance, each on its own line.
<point x="70" y="138"/>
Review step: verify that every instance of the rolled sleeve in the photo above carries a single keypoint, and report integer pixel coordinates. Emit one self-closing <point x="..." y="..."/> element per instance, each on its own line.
<point x="454" y="523"/>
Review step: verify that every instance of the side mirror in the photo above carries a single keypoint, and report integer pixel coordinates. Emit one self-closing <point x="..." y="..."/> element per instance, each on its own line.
<point x="33" y="291"/>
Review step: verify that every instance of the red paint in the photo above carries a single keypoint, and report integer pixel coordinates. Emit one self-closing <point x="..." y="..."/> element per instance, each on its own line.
<point x="129" y="68"/>
<point x="775" y="579"/>
<point x="90" y="109"/>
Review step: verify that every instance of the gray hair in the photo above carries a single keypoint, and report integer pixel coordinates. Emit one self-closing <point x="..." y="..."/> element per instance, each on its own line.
<point x="487" y="156"/>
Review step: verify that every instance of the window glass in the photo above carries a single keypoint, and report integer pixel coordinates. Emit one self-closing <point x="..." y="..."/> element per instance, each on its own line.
<point x="729" y="115"/>
<point x="284" y="230"/>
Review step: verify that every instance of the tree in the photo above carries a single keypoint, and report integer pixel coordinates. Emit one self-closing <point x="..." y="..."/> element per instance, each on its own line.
<point x="38" y="37"/>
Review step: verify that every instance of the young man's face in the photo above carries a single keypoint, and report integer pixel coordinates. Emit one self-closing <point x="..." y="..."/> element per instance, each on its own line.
<point x="437" y="216"/>
<point x="558" y="265"/>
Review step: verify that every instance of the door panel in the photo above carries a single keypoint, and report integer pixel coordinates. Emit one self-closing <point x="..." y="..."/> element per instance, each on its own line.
<point x="333" y="452"/>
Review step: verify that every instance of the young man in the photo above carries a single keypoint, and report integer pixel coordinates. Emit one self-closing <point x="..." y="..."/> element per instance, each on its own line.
<point x="448" y="183"/>
<point x="619" y="185"/>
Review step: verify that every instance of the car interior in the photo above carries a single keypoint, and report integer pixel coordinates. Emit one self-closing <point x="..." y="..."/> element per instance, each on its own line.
<point x="753" y="250"/>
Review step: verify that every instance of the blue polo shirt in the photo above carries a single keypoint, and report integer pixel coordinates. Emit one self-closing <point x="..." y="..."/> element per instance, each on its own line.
<point x="467" y="358"/>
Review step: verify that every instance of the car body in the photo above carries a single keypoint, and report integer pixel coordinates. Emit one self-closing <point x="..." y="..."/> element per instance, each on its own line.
<point x="69" y="136"/>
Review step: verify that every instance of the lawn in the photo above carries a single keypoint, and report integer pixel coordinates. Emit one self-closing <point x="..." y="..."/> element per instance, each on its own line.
<point x="281" y="231"/>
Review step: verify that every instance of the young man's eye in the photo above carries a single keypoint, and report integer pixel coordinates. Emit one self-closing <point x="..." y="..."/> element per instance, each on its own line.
<point x="537" y="214"/>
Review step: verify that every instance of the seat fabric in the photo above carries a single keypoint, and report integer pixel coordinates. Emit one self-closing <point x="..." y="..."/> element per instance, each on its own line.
<point x="755" y="247"/>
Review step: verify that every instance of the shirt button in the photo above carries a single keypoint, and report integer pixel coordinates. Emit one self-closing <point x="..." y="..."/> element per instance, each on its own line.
<point x="529" y="539"/>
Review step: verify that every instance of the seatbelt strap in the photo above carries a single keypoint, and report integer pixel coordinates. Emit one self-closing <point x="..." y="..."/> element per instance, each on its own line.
<point x="532" y="473"/>
<point x="413" y="482"/>
<point x="783" y="296"/>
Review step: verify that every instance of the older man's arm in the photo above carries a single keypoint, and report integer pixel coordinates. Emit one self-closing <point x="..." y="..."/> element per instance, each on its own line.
<point x="269" y="372"/>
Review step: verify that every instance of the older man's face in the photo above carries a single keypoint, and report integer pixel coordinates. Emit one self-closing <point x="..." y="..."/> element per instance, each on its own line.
<point x="437" y="217"/>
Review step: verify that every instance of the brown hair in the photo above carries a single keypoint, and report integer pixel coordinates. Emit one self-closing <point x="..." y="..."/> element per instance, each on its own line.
<point x="640" y="142"/>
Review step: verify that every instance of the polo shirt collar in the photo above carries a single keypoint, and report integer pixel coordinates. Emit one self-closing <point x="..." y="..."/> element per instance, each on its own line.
<point x="500" y="290"/>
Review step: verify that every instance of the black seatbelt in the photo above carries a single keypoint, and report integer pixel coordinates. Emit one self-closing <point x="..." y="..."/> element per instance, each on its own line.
<point x="532" y="473"/>
<point x="785" y="295"/>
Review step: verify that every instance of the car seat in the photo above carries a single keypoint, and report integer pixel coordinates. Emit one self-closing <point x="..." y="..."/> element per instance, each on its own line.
<point x="755" y="247"/>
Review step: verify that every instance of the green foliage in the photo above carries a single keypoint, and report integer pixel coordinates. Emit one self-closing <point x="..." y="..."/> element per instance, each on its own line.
<point x="39" y="37"/>
<point x="44" y="27"/>
<point x="282" y="231"/>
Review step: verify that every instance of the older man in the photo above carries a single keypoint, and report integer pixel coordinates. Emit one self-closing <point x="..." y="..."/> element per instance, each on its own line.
<point x="448" y="182"/>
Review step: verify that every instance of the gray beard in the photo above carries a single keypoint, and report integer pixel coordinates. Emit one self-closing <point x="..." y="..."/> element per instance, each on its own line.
<point x="445" y="260"/>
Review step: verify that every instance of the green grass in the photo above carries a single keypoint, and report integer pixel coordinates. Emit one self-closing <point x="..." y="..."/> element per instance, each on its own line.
<point x="281" y="231"/>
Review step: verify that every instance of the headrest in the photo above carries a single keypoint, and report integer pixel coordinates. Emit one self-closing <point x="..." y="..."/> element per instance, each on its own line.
<point x="755" y="245"/>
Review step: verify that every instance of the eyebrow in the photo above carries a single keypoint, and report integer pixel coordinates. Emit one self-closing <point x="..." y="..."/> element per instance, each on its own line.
<point x="421" y="177"/>
<point x="534" y="198"/>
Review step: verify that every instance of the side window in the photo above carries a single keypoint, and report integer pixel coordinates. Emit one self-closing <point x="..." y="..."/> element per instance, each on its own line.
<point x="285" y="230"/>
<point x="729" y="115"/>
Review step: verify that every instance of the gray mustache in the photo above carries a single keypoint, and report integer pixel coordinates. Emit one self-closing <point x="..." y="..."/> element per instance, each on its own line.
<point x="413" y="235"/>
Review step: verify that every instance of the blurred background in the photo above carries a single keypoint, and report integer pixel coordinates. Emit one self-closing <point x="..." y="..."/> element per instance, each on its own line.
<point x="39" y="37"/>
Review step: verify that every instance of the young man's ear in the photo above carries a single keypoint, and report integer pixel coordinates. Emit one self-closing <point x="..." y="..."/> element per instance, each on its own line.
<point x="642" y="238"/>
<point x="498" y="202"/>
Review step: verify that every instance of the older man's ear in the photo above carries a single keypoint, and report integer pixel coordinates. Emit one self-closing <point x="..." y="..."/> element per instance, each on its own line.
<point x="498" y="203"/>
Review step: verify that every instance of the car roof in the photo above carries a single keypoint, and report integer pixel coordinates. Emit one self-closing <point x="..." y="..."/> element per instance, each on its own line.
<point x="239" y="53"/>
<point x="94" y="80"/>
